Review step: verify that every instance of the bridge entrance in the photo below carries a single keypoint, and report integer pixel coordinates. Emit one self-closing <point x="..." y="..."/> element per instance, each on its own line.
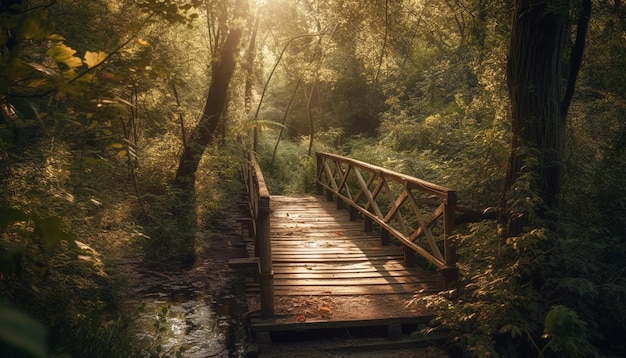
<point x="331" y="261"/>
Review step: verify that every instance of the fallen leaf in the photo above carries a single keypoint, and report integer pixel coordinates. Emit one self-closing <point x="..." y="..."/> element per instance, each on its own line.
<point x="301" y="318"/>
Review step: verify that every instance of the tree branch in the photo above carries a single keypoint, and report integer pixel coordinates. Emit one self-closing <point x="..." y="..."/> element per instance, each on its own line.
<point x="577" y="56"/>
<point x="384" y="47"/>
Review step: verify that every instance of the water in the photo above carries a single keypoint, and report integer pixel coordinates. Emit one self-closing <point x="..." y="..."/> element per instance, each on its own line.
<point x="195" y="311"/>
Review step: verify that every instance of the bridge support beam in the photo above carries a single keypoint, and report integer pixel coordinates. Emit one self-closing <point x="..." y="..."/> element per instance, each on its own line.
<point x="450" y="272"/>
<point x="384" y="237"/>
<point x="354" y="214"/>
<point x="409" y="257"/>
<point x="367" y="224"/>
<point x="449" y="275"/>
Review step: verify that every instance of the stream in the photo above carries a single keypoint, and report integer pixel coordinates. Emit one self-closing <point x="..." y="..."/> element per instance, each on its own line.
<point x="192" y="311"/>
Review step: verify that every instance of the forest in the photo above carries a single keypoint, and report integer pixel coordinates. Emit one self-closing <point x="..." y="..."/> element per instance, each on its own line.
<point x="124" y="126"/>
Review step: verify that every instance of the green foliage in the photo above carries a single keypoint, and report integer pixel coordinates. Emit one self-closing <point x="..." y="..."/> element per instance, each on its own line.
<point x="21" y="331"/>
<point x="70" y="138"/>
<point x="91" y="130"/>
<point x="172" y="11"/>
<point x="38" y="259"/>
<point x="26" y="230"/>
<point x="502" y="302"/>
<point x="293" y="170"/>
<point x="567" y="333"/>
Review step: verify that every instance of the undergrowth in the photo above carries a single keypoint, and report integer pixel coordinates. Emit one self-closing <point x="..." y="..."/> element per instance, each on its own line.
<point x="554" y="290"/>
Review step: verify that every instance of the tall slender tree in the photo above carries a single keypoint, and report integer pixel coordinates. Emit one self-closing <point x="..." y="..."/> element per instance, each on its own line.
<point x="203" y="133"/>
<point x="541" y="81"/>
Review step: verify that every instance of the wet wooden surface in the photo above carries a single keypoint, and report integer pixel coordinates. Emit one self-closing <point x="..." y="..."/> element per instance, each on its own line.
<point x="329" y="272"/>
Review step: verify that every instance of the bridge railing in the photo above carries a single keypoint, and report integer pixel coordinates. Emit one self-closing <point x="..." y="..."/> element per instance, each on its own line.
<point x="259" y="203"/>
<point x="419" y="214"/>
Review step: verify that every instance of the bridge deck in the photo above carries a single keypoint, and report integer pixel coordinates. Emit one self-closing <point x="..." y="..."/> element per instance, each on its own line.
<point x="329" y="273"/>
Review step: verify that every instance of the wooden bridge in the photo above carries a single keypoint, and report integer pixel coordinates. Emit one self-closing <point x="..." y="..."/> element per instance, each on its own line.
<point x="354" y="255"/>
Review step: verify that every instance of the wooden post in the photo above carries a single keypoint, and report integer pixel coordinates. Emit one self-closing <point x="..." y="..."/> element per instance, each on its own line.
<point x="367" y="224"/>
<point x="254" y="205"/>
<point x="320" y="168"/>
<point x="450" y="272"/>
<point x="384" y="237"/>
<point x="262" y="239"/>
<point x="354" y="214"/>
<point x="409" y="257"/>
<point x="266" y="274"/>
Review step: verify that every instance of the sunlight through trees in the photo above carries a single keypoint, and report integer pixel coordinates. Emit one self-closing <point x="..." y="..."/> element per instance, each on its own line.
<point x="124" y="124"/>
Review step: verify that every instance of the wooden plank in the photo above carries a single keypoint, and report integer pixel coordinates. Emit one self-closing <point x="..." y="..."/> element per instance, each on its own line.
<point x="343" y="275"/>
<point x="295" y="259"/>
<point x="311" y="237"/>
<point x="300" y="268"/>
<point x="333" y="251"/>
<point x="259" y="325"/>
<point x="346" y="290"/>
<point x="308" y="251"/>
<point x="350" y="281"/>
<point x="317" y="253"/>
<point x="346" y="266"/>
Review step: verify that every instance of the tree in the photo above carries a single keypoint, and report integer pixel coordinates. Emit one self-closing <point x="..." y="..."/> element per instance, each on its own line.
<point x="540" y="98"/>
<point x="203" y="133"/>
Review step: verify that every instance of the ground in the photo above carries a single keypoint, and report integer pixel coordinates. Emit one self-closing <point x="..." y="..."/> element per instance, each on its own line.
<point x="194" y="287"/>
<point x="349" y="348"/>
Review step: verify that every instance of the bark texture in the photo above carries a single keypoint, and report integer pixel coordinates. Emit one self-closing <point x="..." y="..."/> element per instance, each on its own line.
<point x="541" y="79"/>
<point x="217" y="99"/>
<point x="535" y="89"/>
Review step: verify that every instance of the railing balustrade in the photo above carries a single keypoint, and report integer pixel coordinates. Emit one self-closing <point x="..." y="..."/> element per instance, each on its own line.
<point x="259" y="203"/>
<point x="419" y="214"/>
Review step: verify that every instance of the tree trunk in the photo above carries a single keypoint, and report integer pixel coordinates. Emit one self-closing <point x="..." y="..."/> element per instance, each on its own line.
<point x="202" y="135"/>
<point x="250" y="73"/>
<point x="540" y="91"/>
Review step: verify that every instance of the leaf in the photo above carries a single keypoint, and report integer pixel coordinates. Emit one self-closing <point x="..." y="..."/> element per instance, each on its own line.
<point x="55" y="37"/>
<point x="583" y="286"/>
<point x="49" y="230"/>
<point x="93" y="125"/>
<point x="142" y="42"/>
<point x="94" y="58"/>
<point x="325" y="309"/>
<point x="21" y="331"/>
<point x="514" y="330"/>
<point x="10" y="215"/>
<point x="122" y="153"/>
<point x="64" y="54"/>
<point x="566" y="332"/>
